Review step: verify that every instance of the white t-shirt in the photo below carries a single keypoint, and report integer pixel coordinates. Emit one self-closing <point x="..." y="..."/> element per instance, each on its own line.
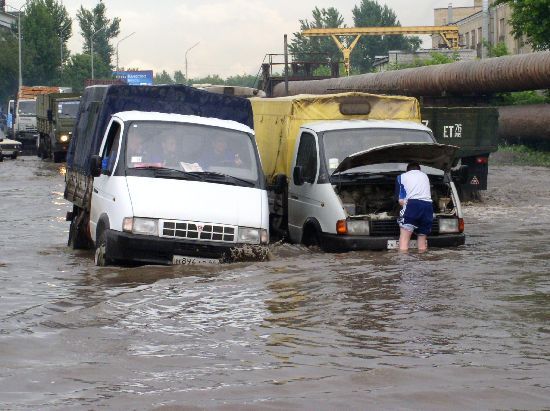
<point x="414" y="185"/>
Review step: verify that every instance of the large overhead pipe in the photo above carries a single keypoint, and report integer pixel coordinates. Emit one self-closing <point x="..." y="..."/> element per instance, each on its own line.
<point x="529" y="122"/>
<point x="479" y="77"/>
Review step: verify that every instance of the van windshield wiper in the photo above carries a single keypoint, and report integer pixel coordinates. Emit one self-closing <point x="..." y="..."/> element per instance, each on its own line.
<point x="164" y="172"/>
<point x="227" y="179"/>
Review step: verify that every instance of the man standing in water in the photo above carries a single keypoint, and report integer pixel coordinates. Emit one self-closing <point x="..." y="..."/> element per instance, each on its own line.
<point x="416" y="216"/>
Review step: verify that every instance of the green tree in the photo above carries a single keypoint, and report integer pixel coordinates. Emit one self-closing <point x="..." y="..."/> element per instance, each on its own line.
<point x="317" y="48"/>
<point x="163" y="78"/>
<point x="371" y="14"/>
<point x="245" y="80"/>
<point x="45" y="28"/>
<point x="79" y="68"/>
<point x="92" y="21"/>
<point x="532" y="19"/>
<point x="8" y="65"/>
<point x="210" y="79"/>
<point x="179" y="77"/>
<point x="435" y="58"/>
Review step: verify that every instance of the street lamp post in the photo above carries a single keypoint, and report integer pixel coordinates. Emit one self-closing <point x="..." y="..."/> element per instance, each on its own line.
<point x="19" y="36"/>
<point x="92" y="46"/>
<point x="61" y="33"/>
<point x="131" y="34"/>
<point x="187" y="51"/>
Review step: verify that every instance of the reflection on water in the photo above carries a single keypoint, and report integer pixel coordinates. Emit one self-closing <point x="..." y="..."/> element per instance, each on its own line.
<point x="456" y="328"/>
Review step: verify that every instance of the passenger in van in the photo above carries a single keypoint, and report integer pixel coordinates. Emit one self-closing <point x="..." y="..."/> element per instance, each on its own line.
<point x="416" y="216"/>
<point x="170" y="153"/>
<point x="218" y="154"/>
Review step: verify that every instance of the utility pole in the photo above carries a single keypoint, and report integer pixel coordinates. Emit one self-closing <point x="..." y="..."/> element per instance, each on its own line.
<point x="61" y="33"/>
<point x="131" y="34"/>
<point x="187" y="51"/>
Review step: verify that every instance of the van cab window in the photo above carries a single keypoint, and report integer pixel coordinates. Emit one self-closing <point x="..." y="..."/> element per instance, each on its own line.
<point x="307" y="157"/>
<point x="111" y="148"/>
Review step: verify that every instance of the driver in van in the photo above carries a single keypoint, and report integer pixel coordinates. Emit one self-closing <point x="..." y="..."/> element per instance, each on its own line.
<point x="219" y="155"/>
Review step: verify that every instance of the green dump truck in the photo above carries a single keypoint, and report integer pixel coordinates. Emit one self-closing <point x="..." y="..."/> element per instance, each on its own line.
<point x="474" y="131"/>
<point x="56" y="116"/>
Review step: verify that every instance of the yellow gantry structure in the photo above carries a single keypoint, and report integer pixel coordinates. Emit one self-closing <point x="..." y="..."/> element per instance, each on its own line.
<point x="449" y="34"/>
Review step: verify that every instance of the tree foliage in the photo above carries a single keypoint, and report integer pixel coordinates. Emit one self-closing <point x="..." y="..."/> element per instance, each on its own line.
<point x="8" y="65"/>
<point x="45" y="28"/>
<point x="95" y="23"/>
<point x="79" y="68"/>
<point x="434" y="59"/>
<point x="317" y="48"/>
<point x="532" y="19"/>
<point x="371" y="14"/>
<point x="163" y="78"/>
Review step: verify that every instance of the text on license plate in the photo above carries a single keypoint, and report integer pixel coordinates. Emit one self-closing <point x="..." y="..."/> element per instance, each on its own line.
<point x="394" y="244"/>
<point x="184" y="260"/>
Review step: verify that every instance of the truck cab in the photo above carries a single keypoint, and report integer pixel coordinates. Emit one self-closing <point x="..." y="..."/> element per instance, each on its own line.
<point x="341" y="193"/>
<point x="176" y="189"/>
<point x="25" y="122"/>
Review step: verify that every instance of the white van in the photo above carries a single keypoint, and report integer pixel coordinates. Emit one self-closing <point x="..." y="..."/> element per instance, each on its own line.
<point x="176" y="189"/>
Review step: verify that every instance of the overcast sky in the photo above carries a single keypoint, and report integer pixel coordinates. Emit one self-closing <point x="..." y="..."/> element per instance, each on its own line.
<point x="233" y="35"/>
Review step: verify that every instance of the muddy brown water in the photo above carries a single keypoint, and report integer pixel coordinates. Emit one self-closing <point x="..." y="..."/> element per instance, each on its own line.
<point x="462" y="328"/>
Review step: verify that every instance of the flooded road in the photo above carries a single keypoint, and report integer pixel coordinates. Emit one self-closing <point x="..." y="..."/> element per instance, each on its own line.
<point x="463" y="328"/>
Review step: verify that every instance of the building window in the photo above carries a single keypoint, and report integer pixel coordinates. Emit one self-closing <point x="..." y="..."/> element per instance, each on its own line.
<point x="467" y="42"/>
<point x="479" y="36"/>
<point x="501" y="29"/>
<point x="473" y="44"/>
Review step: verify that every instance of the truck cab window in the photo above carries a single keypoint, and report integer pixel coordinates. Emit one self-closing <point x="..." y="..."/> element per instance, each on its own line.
<point x="111" y="148"/>
<point x="307" y="157"/>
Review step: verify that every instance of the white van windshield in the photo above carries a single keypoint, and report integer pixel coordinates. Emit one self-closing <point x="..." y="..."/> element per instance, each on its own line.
<point x="339" y="144"/>
<point x="191" y="148"/>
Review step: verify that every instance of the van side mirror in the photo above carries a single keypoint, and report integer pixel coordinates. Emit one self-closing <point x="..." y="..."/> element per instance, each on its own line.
<point x="95" y="165"/>
<point x="50" y="115"/>
<point x="298" y="175"/>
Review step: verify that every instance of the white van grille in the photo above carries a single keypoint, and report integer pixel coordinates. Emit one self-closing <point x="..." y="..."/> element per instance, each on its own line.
<point x="198" y="231"/>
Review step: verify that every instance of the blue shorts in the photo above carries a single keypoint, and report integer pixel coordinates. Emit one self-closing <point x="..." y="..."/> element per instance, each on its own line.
<point x="417" y="216"/>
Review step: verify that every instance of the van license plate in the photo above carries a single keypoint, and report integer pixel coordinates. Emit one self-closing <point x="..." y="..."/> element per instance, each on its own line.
<point x="394" y="244"/>
<point x="184" y="260"/>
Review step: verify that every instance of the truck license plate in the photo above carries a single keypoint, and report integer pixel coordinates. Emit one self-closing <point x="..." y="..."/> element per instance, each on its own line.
<point x="394" y="244"/>
<point x="184" y="260"/>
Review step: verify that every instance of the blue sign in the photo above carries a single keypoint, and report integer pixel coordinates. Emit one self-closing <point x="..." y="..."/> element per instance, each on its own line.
<point x="135" y="78"/>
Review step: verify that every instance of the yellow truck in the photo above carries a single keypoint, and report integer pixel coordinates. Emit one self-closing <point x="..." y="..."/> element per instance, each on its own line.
<point x="331" y="163"/>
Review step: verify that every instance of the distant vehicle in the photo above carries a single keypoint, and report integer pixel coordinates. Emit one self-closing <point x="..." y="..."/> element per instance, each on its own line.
<point x="9" y="119"/>
<point x="146" y="185"/>
<point x="24" y="126"/>
<point x="56" y="117"/>
<point x="9" y="148"/>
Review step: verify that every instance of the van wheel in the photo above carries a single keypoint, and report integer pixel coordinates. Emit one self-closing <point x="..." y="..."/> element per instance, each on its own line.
<point x="1" y="158"/>
<point x="101" y="258"/>
<point x="77" y="239"/>
<point x="14" y="156"/>
<point x="311" y="237"/>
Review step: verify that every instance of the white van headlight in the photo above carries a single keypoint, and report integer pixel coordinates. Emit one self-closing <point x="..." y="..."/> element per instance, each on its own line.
<point x="448" y="225"/>
<point x="137" y="225"/>
<point x="253" y="236"/>
<point x="358" y="227"/>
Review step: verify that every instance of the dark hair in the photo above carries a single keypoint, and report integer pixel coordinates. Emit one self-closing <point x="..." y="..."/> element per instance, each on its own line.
<point x="413" y="166"/>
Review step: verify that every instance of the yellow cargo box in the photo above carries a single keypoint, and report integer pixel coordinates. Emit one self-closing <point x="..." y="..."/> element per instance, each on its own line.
<point x="277" y="121"/>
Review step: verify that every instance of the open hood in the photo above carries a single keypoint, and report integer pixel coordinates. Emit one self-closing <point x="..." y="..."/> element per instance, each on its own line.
<point x="434" y="155"/>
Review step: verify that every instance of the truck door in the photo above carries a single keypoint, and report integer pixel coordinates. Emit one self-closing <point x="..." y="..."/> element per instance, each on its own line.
<point x="302" y="198"/>
<point x="106" y="187"/>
